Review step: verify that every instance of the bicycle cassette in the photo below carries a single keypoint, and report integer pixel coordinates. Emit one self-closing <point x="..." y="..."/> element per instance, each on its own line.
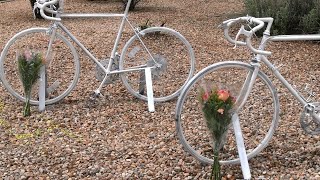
<point x="161" y="65"/>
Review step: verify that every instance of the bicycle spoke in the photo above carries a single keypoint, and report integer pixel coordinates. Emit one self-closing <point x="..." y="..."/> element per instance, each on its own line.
<point x="171" y="57"/>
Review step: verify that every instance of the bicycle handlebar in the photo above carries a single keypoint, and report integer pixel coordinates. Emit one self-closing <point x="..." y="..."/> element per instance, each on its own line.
<point x="228" y="23"/>
<point x="44" y="7"/>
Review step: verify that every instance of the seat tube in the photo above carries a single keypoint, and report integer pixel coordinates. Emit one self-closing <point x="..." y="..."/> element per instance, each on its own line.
<point x="115" y="46"/>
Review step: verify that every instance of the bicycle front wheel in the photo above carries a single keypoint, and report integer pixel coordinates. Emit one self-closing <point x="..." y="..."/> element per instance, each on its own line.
<point x="62" y="64"/>
<point x="165" y="49"/>
<point x="258" y="117"/>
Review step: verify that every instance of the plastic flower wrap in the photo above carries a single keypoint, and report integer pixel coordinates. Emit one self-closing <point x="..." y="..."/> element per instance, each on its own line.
<point x="29" y="64"/>
<point x="217" y="105"/>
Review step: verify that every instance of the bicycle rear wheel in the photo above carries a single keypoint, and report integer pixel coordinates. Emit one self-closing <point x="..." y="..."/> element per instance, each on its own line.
<point x="164" y="47"/>
<point x="62" y="64"/>
<point x="258" y="118"/>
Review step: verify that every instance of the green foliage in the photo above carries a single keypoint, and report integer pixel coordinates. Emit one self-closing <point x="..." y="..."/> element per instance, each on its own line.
<point x="290" y="16"/>
<point x="145" y="25"/>
<point x="29" y="64"/>
<point x="148" y="24"/>
<point x="216" y="107"/>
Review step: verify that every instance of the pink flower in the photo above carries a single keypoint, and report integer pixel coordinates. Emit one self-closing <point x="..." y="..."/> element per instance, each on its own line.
<point x="205" y="96"/>
<point x="28" y="55"/>
<point x="223" y="95"/>
<point x="220" y="111"/>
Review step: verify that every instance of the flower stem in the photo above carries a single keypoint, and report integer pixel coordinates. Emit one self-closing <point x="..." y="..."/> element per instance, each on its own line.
<point x="26" y="109"/>
<point x="216" y="171"/>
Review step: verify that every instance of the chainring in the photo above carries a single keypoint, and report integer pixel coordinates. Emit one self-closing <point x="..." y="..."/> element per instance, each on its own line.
<point x="308" y="121"/>
<point x="100" y="74"/>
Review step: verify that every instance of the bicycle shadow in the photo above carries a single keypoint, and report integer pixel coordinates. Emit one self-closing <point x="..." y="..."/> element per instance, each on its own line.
<point x="154" y="9"/>
<point x="140" y="7"/>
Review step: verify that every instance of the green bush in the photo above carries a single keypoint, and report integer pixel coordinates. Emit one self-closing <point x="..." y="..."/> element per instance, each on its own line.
<point x="290" y="16"/>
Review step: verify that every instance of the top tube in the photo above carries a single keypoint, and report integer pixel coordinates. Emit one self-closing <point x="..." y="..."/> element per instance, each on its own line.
<point x="305" y="37"/>
<point x="91" y="15"/>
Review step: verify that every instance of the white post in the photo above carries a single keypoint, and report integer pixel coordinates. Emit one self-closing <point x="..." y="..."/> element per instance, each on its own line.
<point x="149" y="89"/>
<point x="42" y="89"/>
<point x="241" y="148"/>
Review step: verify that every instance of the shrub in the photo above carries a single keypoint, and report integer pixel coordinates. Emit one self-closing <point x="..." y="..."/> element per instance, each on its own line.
<point x="290" y="16"/>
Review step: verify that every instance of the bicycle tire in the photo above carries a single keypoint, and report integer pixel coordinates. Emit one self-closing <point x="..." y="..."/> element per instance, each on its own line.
<point x="62" y="72"/>
<point x="170" y="49"/>
<point x="258" y="117"/>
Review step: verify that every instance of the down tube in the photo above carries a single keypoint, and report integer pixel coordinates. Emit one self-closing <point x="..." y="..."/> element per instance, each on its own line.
<point x="74" y="39"/>
<point x="284" y="81"/>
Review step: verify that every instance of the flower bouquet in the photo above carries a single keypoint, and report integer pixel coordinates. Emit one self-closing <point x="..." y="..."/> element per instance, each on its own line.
<point x="29" y="64"/>
<point x="217" y="105"/>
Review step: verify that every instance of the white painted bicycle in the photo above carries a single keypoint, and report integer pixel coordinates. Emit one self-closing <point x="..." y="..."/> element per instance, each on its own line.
<point x="257" y="100"/>
<point x="163" y="50"/>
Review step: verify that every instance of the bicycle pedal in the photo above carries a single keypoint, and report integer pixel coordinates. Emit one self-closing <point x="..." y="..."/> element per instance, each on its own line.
<point x="97" y="93"/>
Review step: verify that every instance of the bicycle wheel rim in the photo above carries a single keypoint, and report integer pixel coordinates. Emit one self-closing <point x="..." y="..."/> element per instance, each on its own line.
<point x="193" y="133"/>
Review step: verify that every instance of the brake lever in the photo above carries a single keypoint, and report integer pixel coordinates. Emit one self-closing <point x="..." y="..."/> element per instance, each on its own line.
<point x="34" y="10"/>
<point x="241" y="31"/>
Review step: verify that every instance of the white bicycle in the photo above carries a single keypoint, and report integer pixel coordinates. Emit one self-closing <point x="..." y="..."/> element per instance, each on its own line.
<point x="257" y="100"/>
<point x="165" y="51"/>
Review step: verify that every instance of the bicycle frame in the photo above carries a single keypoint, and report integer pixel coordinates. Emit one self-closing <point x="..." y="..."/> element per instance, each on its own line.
<point x="124" y="16"/>
<point x="261" y="54"/>
<point x="264" y="59"/>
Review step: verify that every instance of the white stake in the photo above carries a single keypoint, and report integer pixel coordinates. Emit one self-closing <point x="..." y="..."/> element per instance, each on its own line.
<point x="42" y="89"/>
<point x="241" y="148"/>
<point x="149" y="89"/>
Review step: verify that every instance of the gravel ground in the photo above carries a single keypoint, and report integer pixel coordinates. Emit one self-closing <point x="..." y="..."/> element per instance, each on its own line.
<point x="118" y="138"/>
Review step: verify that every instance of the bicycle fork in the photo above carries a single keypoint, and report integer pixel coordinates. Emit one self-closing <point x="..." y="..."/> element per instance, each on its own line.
<point x="242" y="98"/>
<point x="49" y="58"/>
<point x="247" y="86"/>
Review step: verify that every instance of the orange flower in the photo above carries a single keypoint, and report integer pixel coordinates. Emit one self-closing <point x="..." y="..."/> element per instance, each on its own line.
<point x="223" y="95"/>
<point x="220" y="111"/>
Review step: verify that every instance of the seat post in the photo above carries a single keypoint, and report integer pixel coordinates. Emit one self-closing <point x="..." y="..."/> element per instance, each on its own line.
<point x="127" y="8"/>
